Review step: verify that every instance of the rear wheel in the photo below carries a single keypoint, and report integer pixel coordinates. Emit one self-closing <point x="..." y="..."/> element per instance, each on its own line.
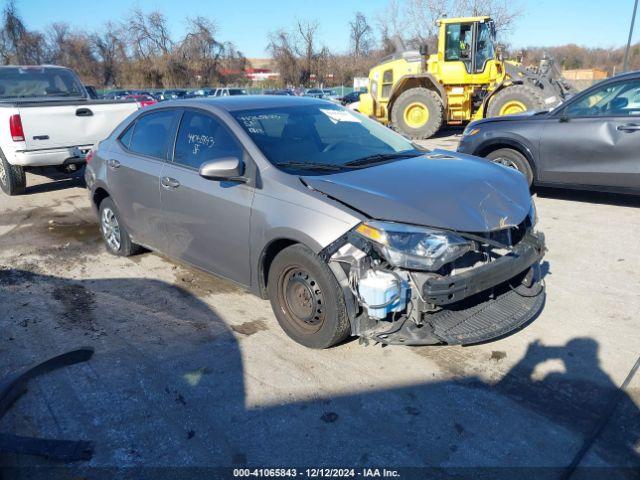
<point x="515" y="99"/>
<point x="306" y="298"/>
<point x="418" y="113"/>
<point x="13" y="180"/>
<point x="513" y="159"/>
<point x="115" y="235"/>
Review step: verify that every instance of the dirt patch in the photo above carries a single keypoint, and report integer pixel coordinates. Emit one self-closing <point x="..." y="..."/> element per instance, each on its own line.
<point x="42" y="228"/>
<point x="498" y="355"/>
<point x="249" y="328"/>
<point x="78" y="305"/>
<point x="201" y="283"/>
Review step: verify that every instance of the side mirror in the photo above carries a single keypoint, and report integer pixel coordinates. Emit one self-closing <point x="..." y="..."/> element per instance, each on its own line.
<point x="424" y="49"/>
<point x="230" y="169"/>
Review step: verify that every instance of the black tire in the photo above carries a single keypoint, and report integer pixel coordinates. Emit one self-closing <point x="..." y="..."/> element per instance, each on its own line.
<point x="124" y="247"/>
<point x="517" y="95"/>
<point x="307" y="299"/>
<point x="13" y="180"/>
<point x="514" y="159"/>
<point x="418" y="96"/>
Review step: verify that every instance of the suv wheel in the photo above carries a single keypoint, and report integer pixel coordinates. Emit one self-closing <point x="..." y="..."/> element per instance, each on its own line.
<point x="513" y="159"/>
<point x="114" y="234"/>
<point x="306" y="298"/>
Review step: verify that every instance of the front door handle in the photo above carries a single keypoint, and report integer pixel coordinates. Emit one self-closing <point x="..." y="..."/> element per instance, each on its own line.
<point x="113" y="163"/>
<point x="629" y="127"/>
<point x="168" y="182"/>
<point x="84" y="112"/>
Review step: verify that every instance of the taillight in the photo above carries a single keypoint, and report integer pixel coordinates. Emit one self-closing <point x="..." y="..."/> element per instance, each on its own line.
<point x="15" y="127"/>
<point x="89" y="156"/>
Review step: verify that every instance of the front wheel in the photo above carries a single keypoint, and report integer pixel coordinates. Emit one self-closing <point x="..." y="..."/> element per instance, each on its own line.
<point x="418" y="113"/>
<point x="306" y="298"/>
<point x="511" y="158"/>
<point x="515" y="99"/>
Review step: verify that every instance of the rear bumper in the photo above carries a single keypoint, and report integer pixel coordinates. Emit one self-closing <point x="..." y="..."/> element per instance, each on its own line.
<point x="50" y="157"/>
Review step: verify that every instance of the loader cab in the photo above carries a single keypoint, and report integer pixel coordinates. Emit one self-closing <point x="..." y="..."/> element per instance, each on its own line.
<point x="466" y="51"/>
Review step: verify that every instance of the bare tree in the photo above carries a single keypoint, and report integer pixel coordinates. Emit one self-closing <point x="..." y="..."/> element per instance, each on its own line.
<point x="415" y="21"/>
<point x="17" y="44"/>
<point x="110" y="50"/>
<point x="282" y="50"/>
<point x="360" y="33"/>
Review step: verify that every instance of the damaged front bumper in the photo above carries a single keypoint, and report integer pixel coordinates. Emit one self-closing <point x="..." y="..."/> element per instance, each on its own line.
<point x="477" y="304"/>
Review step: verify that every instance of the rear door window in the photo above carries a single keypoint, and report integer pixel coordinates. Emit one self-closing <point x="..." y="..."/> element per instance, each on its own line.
<point x="152" y="134"/>
<point x="202" y="138"/>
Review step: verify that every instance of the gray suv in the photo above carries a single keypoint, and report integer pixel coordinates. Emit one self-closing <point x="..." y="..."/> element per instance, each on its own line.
<point x="347" y="227"/>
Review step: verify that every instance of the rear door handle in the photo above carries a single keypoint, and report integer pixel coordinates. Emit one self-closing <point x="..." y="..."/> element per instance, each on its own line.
<point x="168" y="182"/>
<point x="629" y="127"/>
<point x="113" y="163"/>
<point x="84" y="112"/>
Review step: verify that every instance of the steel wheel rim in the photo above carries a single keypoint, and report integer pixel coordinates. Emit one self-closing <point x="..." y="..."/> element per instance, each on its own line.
<point x="110" y="229"/>
<point x="416" y="115"/>
<point x="3" y="173"/>
<point x="301" y="300"/>
<point x="513" y="106"/>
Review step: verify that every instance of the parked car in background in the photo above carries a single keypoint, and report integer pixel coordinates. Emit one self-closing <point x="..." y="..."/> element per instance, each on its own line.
<point x="143" y="100"/>
<point x="204" y="92"/>
<point x="313" y="92"/>
<point x="590" y="142"/>
<point x="49" y="119"/>
<point x="283" y="91"/>
<point x="117" y="94"/>
<point x="346" y="226"/>
<point x="226" y="92"/>
<point x="91" y="91"/>
<point x="172" y="94"/>
<point x="351" y="97"/>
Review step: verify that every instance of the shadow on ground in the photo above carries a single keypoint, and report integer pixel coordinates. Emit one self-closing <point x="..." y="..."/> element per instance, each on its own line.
<point x="59" y="181"/>
<point x="166" y="390"/>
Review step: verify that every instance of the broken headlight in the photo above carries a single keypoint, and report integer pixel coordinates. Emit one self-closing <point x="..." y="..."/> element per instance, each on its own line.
<point x="413" y="247"/>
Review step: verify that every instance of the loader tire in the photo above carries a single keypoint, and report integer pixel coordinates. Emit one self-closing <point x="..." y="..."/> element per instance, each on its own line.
<point x="515" y="99"/>
<point x="418" y="113"/>
<point x="13" y="180"/>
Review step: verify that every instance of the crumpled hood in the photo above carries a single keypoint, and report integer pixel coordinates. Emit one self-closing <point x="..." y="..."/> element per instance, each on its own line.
<point x="439" y="189"/>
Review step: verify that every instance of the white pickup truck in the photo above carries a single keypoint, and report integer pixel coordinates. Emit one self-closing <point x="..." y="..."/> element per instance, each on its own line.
<point x="48" y="119"/>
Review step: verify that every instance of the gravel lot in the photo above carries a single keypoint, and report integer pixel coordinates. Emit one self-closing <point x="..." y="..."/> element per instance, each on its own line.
<point x="190" y="370"/>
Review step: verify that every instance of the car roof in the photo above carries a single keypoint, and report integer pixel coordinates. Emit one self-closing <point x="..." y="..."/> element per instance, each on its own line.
<point x="248" y="102"/>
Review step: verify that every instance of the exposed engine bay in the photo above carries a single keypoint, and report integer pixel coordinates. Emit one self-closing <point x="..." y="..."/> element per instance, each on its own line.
<point x="413" y="285"/>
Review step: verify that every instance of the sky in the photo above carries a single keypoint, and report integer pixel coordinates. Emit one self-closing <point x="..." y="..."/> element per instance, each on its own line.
<point x="247" y="23"/>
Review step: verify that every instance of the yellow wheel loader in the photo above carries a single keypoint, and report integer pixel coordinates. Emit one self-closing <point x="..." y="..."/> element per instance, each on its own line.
<point x="467" y="79"/>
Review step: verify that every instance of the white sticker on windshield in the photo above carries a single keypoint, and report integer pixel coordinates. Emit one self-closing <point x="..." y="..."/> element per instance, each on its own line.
<point x="340" y="116"/>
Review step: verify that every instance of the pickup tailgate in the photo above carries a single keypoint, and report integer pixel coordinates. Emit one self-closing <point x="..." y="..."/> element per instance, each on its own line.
<point x="70" y="125"/>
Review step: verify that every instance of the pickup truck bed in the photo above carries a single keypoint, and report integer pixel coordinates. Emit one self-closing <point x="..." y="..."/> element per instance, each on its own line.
<point x="48" y="119"/>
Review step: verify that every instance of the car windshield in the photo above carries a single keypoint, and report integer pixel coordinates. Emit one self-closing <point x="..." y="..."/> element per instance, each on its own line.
<point x="321" y="138"/>
<point x="35" y="82"/>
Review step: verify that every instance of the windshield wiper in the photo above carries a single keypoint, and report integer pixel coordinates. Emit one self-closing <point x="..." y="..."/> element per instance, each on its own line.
<point x="310" y="166"/>
<point x="380" y="157"/>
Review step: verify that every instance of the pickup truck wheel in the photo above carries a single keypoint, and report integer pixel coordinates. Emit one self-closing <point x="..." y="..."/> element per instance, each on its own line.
<point x="114" y="234"/>
<point x="13" y="180"/>
<point x="512" y="159"/>
<point x="306" y="298"/>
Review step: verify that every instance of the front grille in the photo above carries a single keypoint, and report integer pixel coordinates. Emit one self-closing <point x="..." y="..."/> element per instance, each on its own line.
<point x="510" y="236"/>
